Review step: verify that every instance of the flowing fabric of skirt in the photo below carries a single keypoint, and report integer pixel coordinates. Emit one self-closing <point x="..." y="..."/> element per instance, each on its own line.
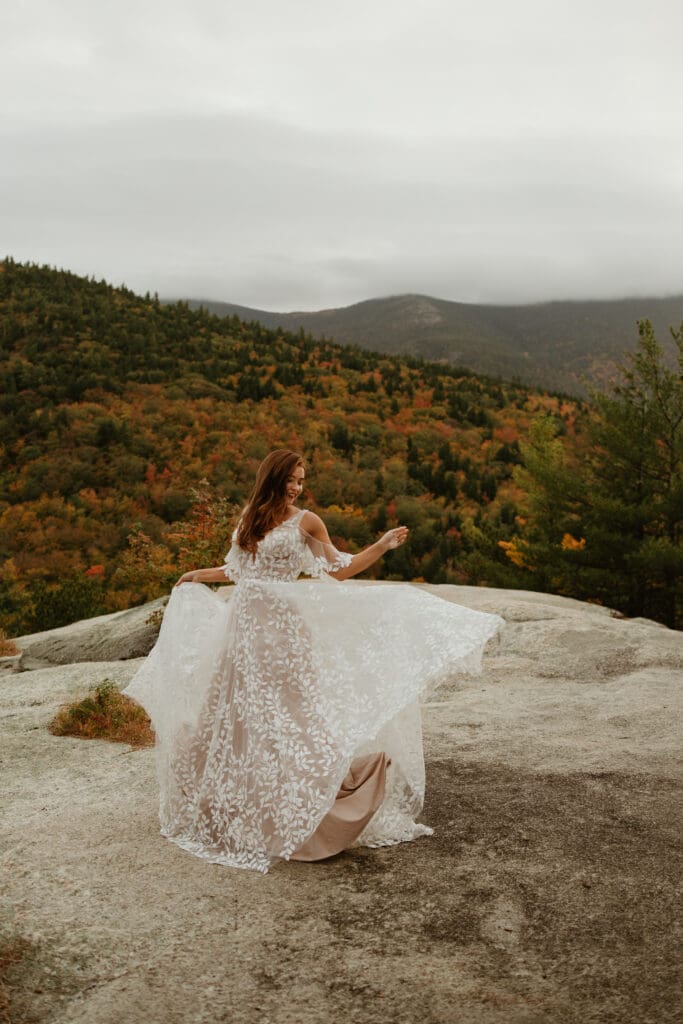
<point x="263" y="703"/>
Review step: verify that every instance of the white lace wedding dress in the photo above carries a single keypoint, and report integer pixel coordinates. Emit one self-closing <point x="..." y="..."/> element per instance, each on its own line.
<point x="265" y="705"/>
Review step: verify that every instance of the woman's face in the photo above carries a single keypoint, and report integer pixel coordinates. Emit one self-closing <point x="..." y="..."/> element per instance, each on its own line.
<point x="295" y="483"/>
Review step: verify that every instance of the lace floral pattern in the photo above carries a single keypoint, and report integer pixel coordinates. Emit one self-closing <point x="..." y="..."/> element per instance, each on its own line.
<point x="261" y="702"/>
<point x="284" y="554"/>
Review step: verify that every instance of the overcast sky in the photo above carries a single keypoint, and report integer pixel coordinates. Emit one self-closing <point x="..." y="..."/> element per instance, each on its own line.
<point x="289" y="155"/>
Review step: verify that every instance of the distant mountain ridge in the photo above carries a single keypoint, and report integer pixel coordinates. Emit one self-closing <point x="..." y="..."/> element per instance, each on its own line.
<point x="558" y="345"/>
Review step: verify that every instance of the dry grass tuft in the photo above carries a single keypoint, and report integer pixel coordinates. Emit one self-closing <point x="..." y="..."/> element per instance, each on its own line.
<point x="154" y="619"/>
<point x="105" y="715"/>
<point x="7" y="647"/>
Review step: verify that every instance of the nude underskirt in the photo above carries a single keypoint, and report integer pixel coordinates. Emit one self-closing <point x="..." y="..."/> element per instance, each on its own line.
<point x="360" y="795"/>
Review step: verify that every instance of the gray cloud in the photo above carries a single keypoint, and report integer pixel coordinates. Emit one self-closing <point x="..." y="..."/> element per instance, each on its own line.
<point x="275" y="158"/>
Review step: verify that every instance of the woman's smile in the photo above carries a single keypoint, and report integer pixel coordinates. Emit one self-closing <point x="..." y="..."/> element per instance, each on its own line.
<point x="295" y="484"/>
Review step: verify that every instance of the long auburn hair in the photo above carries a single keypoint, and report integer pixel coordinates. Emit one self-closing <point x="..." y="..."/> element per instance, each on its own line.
<point x="267" y="505"/>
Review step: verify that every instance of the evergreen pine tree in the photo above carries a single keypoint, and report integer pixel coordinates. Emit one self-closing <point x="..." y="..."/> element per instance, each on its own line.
<point x="607" y="525"/>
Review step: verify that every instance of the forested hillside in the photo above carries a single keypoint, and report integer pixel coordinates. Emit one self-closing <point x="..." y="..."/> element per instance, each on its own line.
<point x="559" y="345"/>
<point x="114" y="407"/>
<point x="130" y="431"/>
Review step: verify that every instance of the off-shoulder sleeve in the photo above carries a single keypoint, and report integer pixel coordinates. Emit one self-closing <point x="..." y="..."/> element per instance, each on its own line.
<point x="320" y="558"/>
<point x="234" y="560"/>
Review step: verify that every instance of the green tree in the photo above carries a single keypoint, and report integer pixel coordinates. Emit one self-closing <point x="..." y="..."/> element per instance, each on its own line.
<point x="74" y="598"/>
<point x="606" y="524"/>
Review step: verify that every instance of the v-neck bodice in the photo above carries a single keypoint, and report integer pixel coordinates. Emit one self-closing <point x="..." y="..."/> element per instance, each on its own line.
<point x="282" y="554"/>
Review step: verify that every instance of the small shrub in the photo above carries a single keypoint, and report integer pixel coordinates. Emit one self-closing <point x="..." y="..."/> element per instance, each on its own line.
<point x="154" y="618"/>
<point x="7" y="647"/>
<point x="105" y="714"/>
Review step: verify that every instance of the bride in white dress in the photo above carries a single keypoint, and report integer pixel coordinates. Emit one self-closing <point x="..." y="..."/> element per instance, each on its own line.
<point x="286" y="717"/>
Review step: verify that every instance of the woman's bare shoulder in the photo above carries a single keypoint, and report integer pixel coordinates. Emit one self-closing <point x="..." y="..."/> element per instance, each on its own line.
<point x="312" y="523"/>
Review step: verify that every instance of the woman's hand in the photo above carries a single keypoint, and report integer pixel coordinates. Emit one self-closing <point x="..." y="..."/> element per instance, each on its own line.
<point x="187" y="577"/>
<point x="394" y="538"/>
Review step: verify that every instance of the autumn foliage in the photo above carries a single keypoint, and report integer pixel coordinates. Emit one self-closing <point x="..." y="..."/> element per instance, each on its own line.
<point x="130" y="432"/>
<point x="114" y="409"/>
<point x="7" y="647"/>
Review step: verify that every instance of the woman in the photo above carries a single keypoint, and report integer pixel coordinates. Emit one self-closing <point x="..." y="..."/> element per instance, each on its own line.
<point x="286" y="718"/>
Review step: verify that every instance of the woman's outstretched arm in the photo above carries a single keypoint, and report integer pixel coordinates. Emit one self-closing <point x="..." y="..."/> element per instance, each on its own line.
<point x="215" y="575"/>
<point x="315" y="527"/>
